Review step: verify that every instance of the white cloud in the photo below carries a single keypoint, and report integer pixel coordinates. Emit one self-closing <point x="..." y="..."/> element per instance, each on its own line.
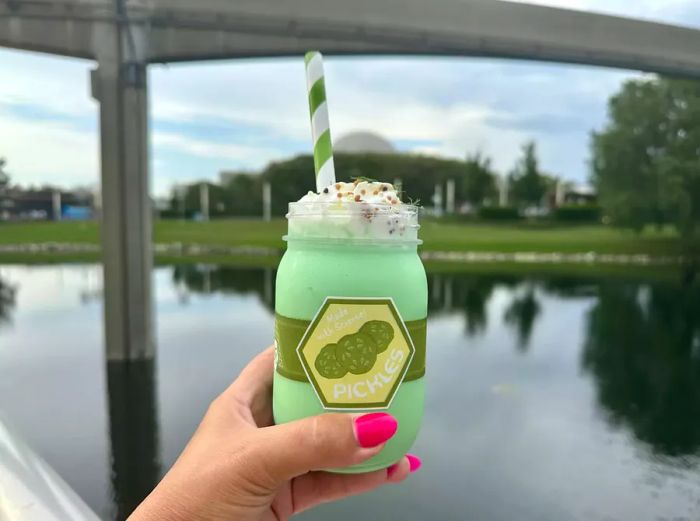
<point x="197" y="147"/>
<point x="57" y="85"/>
<point x="48" y="152"/>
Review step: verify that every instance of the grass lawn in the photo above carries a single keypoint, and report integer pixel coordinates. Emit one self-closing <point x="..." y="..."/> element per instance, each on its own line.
<point x="437" y="236"/>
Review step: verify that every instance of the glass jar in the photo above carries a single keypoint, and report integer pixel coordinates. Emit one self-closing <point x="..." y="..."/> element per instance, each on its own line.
<point x="350" y="324"/>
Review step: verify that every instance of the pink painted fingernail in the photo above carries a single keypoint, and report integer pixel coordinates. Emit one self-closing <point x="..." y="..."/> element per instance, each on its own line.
<point x="374" y="429"/>
<point x="391" y="469"/>
<point x="414" y="462"/>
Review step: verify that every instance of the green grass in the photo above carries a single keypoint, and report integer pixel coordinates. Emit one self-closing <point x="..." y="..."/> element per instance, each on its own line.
<point x="437" y="236"/>
<point x="546" y="238"/>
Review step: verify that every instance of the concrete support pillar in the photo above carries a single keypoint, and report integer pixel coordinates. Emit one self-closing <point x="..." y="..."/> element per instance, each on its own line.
<point x="204" y="201"/>
<point x="560" y="193"/>
<point x="503" y="191"/>
<point x="120" y="86"/>
<point x="437" y="200"/>
<point x="450" y="196"/>
<point x="267" y="201"/>
<point x="56" y="205"/>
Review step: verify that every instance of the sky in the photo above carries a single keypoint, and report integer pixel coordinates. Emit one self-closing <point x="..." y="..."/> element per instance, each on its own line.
<point x="240" y="115"/>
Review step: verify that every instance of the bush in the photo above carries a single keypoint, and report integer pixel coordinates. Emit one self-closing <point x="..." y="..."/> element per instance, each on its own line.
<point x="499" y="213"/>
<point x="577" y="213"/>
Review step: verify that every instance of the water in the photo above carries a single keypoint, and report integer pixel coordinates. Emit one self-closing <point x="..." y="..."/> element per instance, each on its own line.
<point x="548" y="398"/>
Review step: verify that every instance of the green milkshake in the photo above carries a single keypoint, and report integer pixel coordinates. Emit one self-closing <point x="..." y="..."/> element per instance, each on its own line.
<point x="351" y="306"/>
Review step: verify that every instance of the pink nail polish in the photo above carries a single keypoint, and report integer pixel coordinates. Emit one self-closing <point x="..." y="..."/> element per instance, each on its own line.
<point x="414" y="462"/>
<point x="391" y="469"/>
<point x="374" y="429"/>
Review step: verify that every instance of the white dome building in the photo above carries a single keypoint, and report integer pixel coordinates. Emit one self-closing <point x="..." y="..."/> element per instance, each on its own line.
<point x="363" y="142"/>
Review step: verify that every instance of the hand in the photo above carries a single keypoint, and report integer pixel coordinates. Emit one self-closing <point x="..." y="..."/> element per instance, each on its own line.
<point x="238" y="466"/>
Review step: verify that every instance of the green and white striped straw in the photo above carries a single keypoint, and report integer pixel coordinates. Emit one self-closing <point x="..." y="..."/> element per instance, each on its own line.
<point x="320" y="126"/>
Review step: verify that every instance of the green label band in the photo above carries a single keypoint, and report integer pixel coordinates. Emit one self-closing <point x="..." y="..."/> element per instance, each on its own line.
<point x="288" y="333"/>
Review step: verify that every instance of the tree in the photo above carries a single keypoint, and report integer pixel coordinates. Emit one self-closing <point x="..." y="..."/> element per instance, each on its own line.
<point x="646" y="161"/>
<point x="479" y="183"/>
<point x="4" y="177"/>
<point x="527" y="184"/>
<point x="244" y="193"/>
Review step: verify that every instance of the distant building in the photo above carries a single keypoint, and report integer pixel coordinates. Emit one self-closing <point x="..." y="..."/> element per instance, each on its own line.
<point x="580" y="194"/>
<point x="363" y="142"/>
<point x="46" y="204"/>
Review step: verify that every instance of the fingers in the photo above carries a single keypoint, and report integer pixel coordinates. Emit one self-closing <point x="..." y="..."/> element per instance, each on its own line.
<point x="253" y="388"/>
<point x="315" y="488"/>
<point x="321" y="442"/>
<point x="407" y="465"/>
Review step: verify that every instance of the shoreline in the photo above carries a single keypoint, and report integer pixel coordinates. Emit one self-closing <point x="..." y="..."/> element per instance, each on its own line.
<point x="194" y="251"/>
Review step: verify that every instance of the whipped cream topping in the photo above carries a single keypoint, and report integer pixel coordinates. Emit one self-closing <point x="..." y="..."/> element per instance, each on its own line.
<point x="358" y="191"/>
<point x="358" y="210"/>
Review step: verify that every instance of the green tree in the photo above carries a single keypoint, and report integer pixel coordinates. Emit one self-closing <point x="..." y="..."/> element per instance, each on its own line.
<point x="527" y="183"/>
<point x="244" y="195"/>
<point x="4" y="176"/>
<point x="479" y="182"/>
<point x="645" y="162"/>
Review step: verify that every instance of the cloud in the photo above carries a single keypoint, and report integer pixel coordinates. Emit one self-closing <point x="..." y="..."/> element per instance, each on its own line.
<point x="48" y="152"/>
<point x="248" y="155"/>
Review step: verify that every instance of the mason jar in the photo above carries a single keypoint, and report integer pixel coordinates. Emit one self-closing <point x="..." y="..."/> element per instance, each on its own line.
<point x="350" y="318"/>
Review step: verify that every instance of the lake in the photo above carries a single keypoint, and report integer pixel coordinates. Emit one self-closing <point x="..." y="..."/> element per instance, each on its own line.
<point x="549" y="398"/>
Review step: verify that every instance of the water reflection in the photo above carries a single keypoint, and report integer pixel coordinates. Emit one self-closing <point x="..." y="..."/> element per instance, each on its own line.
<point x="133" y="429"/>
<point x="207" y="278"/>
<point x="559" y="369"/>
<point x="7" y="301"/>
<point x="465" y="293"/>
<point x="642" y="342"/>
<point x="521" y="315"/>
<point x="643" y="349"/>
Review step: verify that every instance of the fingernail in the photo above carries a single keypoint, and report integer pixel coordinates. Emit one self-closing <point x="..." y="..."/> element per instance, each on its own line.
<point x="374" y="429"/>
<point x="414" y="462"/>
<point x="391" y="469"/>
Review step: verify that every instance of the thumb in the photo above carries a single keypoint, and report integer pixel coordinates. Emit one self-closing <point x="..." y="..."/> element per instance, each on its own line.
<point x="322" y="442"/>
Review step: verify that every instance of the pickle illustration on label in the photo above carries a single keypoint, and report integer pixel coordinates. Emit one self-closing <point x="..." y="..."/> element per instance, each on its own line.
<point x="327" y="363"/>
<point x="381" y="332"/>
<point x="356" y="352"/>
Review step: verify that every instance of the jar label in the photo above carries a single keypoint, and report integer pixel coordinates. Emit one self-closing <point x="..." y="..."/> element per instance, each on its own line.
<point x="355" y="352"/>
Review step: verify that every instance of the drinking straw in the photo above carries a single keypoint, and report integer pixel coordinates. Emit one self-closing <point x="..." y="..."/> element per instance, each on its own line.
<point x="320" y="126"/>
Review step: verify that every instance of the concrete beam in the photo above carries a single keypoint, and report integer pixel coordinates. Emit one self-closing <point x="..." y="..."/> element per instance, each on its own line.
<point x="181" y="30"/>
<point x="220" y="28"/>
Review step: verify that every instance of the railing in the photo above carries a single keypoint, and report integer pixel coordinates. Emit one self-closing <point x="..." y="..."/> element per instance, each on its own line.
<point x="30" y="490"/>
